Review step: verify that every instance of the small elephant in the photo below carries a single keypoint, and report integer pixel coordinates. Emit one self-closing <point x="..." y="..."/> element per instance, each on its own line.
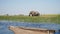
<point x="34" y="13"/>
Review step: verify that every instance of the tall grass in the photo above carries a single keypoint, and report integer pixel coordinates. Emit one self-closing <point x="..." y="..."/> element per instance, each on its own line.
<point x="40" y="19"/>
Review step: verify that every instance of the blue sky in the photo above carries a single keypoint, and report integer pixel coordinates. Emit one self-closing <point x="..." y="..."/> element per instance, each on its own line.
<point x="15" y="7"/>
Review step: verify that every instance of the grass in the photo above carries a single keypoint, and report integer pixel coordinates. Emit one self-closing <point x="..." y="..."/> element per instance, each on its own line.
<point x="42" y="18"/>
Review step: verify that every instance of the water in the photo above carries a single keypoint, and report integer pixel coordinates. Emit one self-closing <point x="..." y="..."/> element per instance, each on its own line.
<point x="5" y="24"/>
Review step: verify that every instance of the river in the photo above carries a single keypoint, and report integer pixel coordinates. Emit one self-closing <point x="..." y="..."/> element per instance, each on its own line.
<point x="5" y="24"/>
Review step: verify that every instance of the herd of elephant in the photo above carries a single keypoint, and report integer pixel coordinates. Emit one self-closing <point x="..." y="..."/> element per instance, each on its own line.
<point x="34" y="13"/>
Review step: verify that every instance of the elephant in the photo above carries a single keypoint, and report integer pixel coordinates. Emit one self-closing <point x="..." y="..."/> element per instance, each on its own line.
<point x="34" y="13"/>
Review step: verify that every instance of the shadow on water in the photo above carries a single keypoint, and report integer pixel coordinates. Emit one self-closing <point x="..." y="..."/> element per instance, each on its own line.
<point x="5" y="24"/>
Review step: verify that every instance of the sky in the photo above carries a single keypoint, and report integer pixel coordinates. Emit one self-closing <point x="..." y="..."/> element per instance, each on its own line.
<point x="16" y="7"/>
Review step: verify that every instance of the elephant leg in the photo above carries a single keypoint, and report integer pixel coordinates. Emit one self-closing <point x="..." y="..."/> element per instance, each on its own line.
<point x="30" y="15"/>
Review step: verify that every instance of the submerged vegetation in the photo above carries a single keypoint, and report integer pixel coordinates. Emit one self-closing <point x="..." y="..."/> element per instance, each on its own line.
<point x="39" y="19"/>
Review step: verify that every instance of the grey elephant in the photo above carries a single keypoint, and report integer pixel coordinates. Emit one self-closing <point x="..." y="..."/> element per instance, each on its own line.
<point x="34" y="13"/>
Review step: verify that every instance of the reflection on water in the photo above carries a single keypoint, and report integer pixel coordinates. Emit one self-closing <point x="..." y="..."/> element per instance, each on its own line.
<point x="5" y="24"/>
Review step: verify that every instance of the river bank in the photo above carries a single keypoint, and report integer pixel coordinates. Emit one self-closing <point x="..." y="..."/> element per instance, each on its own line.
<point x="38" y="19"/>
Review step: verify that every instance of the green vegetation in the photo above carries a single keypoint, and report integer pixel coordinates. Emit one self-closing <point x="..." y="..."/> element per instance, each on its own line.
<point x="38" y="19"/>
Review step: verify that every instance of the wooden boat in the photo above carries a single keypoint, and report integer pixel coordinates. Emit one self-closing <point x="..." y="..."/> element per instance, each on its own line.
<point x="30" y="30"/>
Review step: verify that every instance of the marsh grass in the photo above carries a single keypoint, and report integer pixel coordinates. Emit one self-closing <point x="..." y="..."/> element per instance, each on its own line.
<point x="42" y="18"/>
